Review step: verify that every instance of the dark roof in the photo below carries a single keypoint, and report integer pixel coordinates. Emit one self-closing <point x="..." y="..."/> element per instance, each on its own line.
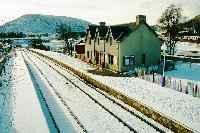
<point x="118" y="31"/>
<point x="122" y="30"/>
<point x="103" y="30"/>
<point x="92" y="30"/>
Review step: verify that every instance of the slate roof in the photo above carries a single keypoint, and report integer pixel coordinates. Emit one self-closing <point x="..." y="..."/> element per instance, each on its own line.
<point x="122" y="30"/>
<point x="92" y="30"/>
<point x="119" y="32"/>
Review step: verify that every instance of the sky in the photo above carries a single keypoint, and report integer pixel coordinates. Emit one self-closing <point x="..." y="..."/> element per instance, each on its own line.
<point x="110" y="11"/>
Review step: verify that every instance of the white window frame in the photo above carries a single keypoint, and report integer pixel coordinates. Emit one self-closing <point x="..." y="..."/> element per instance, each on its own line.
<point x="129" y="60"/>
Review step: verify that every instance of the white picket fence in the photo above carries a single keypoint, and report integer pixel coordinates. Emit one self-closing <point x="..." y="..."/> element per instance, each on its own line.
<point x="185" y="86"/>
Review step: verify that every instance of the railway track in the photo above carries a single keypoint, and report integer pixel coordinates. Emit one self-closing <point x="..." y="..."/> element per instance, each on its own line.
<point x="117" y="103"/>
<point x="100" y="92"/>
<point x="61" y="99"/>
<point x="68" y="107"/>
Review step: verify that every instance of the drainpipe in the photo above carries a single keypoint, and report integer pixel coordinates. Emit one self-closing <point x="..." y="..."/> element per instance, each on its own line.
<point x="104" y="55"/>
<point x="94" y="51"/>
<point x="118" y="56"/>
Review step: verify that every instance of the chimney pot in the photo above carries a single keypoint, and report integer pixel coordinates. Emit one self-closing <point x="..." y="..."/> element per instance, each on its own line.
<point x="140" y="19"/>
<point x="102" y="23"/>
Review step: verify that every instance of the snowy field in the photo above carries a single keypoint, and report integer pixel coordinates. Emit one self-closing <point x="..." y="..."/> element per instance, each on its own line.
<point x="187" y="46"/>
<point x="181" y="107"/>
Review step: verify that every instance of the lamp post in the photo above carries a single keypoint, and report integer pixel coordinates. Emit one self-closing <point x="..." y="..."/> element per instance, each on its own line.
<point x="163" y="48"/>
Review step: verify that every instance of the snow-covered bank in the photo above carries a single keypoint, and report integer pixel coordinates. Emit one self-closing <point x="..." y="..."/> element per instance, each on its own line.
<point x="181" y="107"/>
<point x="6" y="99"/>
<point x="20" y="109"/>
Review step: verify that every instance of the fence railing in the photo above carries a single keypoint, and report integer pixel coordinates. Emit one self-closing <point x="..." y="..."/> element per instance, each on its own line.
<point x="182" y="85"/>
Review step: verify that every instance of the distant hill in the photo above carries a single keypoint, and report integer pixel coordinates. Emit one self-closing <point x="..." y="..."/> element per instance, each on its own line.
<point x="193" y="21"/>
<point x="36" y="23"/>
<point x="192" y="26"/>
<point x="196" y="19"/>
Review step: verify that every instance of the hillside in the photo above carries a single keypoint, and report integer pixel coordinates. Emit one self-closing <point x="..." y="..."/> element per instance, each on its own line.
<point x="36" y="23"/>
<point x="196" y="19"/>
<point x="193" y="25"/>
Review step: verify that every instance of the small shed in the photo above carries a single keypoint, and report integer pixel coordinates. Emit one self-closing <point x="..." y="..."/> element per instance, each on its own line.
<point x="80" y="51"/>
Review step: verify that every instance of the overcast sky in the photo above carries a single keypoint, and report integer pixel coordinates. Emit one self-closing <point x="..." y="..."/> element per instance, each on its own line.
<point x="111" y="11"/>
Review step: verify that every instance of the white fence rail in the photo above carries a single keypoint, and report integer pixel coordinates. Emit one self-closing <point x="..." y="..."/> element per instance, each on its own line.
<point x="186" y="86"/>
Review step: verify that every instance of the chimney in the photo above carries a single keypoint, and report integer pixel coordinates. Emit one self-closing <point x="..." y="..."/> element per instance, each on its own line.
<point x="102" y="23"/>
<point x="140" y="19"/>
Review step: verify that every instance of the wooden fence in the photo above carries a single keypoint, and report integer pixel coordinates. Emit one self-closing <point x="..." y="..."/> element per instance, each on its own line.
<point x="182" y="85"/>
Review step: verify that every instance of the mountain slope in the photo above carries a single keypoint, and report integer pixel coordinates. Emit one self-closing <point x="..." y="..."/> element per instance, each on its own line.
<point x="36" y="23"/>
<point x="193" y="25"/>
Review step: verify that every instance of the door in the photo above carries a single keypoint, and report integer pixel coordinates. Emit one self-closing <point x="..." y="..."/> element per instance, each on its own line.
<point x="97" y="57"/>
<point x="143" y="59"/>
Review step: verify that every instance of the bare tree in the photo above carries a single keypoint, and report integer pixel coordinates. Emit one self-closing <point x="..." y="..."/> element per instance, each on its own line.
<point x="64" y="32"/>
<point x="169" y="23"/>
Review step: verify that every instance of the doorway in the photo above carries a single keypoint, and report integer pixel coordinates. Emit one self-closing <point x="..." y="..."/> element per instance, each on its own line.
<point x="143" y="59"/>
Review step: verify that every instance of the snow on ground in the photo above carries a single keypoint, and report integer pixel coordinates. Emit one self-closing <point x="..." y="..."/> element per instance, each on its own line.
<point x="187" y="46"/>
<point x="181" y="107"/>
<point x="20" y="109"/>
<point x="93" y="117"/>
<point x="63" y="123"/>
<point x="87" y="115"/>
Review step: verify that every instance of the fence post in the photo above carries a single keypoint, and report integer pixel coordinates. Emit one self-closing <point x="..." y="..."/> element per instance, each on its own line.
<point x="163" y="81"/>
<point x="180" y="86"/>
<point x="196" y="90"/>
<point x="186" y="90"/>
<point x="193" y="90"/>
<point x="153" y="77"/>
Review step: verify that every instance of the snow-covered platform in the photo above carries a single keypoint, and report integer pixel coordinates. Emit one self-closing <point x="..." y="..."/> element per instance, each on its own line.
<point x="180" y="107"/>
<point x="20" y="108"/>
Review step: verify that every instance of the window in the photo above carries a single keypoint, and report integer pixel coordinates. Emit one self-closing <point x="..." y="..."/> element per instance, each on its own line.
<point x="100" y="57"/>
<point x="129" y="60"/>
<point x="111" y="41"/>
<point x="88" y="54"/>
<point x="98" y="40"/>
<point x="90" y="41"/>
<point x="110" y="59"/>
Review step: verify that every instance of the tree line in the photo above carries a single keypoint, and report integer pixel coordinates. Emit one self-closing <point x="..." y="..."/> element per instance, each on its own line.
<point x="12" y="35"/>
